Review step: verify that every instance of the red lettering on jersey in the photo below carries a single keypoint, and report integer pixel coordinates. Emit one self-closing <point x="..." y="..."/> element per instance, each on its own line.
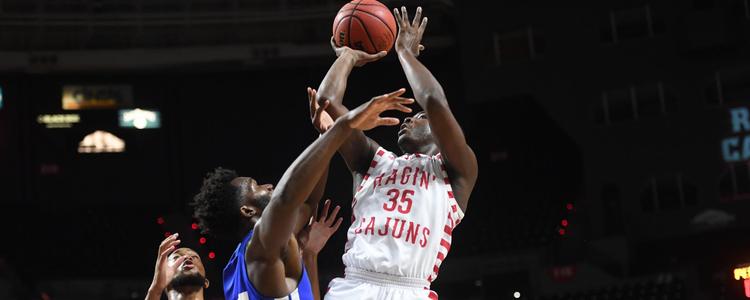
<point x="412" y="232"/>
<point x="358" y="230"/>
<point x="378" y="180"/>
<point x="425" y="180"/>
<point x="425" y="234"/>
<point x="396" y="230"/>
<point x="401" y="231"/>
<point x="414" y="181"/>
<point x="406" y="175"/>
<point x="392" y="178"/>
<point x="370" y="226"/>
<point x="387" y="224"/>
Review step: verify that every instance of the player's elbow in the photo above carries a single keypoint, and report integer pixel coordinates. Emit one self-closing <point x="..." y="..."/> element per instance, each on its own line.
<point x="434" y="96"/>
<point x="324" y="96"/>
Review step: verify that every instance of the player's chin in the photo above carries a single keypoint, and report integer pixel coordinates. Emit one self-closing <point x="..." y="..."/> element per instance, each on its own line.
<point x="404" y="140"/>
<point x="401" y="138"/>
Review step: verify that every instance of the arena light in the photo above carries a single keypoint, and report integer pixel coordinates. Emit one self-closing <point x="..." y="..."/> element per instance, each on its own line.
<point x="160" y="220"/>
<point x="194" y="226"/>
<point x="139" y="118"/>
<point x="517" y="295"/>
<point x="167" y="234"/>
<point x="569" y="206"/>
<point x="211" y="255"/>
<point x="76" y="97"/>
<point x="564" y="222"/>
<point x="1" y="97"/>
<point x="202" y="240"/>
<point x="101" y="142"/>
<point x="561" y="231"/>
<point x="58" y="120"/>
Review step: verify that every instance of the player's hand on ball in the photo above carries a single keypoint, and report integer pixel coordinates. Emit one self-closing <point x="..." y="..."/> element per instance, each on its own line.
<point x="410" y="32"/>
<point x="320" y="119"/>
<point x="361" y="58"/>
<point x="367" y="116"/>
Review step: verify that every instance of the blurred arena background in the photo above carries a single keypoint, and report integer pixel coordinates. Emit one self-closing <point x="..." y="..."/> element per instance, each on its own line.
<point x="611" y="138"/>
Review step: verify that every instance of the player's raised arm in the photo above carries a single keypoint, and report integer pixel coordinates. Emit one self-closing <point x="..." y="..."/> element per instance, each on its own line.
<point x="300" y="178"/>
<point x="450" y="139"/>
<point x="322" y="122"/>
<point x="358" y="149"/>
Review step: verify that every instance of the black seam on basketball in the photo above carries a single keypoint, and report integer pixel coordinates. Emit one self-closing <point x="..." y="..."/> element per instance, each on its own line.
<point x="393" y="34"/>
<point x="336" y="30"/>
<point x="368" y="34"/>
<point x="349" y="33"/>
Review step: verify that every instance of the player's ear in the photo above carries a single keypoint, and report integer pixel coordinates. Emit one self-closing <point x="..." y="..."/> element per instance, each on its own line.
<point x="248" y="211"/>
<point x="206" y="284"/>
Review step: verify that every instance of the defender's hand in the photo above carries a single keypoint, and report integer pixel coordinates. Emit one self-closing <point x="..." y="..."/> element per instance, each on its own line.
<point x="320" y="119"/>
<point x="318" y="232"/>
<point x="367" y="116"/>
<point x="360" y="57"/>
<point x="410" y="33"/>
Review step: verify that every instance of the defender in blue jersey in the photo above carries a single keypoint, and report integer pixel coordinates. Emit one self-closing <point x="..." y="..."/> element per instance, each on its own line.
<point x="268" y="262"/>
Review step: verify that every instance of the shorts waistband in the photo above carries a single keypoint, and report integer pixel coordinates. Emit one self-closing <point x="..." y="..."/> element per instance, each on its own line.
<point x="386" y="280"/>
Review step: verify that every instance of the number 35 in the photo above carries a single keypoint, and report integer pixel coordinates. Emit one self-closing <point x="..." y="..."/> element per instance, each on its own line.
<point x="392" y="204"/>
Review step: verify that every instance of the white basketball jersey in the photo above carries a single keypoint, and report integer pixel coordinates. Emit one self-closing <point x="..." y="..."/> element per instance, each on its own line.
<point x="404" y="213"/>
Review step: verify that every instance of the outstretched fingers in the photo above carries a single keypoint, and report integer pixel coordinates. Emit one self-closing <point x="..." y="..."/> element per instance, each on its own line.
<point x="388" y="121"/>
<point x="324" y="213"/>
<point x="168" y="248"/>
<point x="334" y="213"/>
<point x="397" y="15"/>
<point x="421" y="29"/>
<point x="417" y="17"/>
<point x="404" y="15"/>
<point x="395" y="93"/>
<point x="338" y="223"/>
<point x="311" y="99"/>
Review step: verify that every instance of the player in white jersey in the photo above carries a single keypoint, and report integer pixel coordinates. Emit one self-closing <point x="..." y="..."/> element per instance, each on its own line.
<point x="405" y="207"/>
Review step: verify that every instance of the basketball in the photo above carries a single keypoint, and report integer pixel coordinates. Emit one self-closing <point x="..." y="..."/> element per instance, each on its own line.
<point x="365" y="25"/>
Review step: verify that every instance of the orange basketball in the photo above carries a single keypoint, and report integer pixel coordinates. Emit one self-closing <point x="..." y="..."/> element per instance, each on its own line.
<point x="366" y="25"/>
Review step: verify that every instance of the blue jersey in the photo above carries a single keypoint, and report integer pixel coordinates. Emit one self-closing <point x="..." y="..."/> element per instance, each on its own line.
<point x="237" y="285"/>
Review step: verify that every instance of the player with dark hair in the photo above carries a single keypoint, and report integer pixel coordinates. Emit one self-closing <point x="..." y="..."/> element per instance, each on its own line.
<point x="179" y="273"/>
<point x="405" y="207"/>
<point x="182" y="275"/>
<point x="267" y="263"/>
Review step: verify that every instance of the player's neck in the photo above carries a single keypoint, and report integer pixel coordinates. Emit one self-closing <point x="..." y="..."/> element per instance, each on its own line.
<point x="186" y="294"/>
<point x="430" y="150"/>
<point x="245" y="228"/>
